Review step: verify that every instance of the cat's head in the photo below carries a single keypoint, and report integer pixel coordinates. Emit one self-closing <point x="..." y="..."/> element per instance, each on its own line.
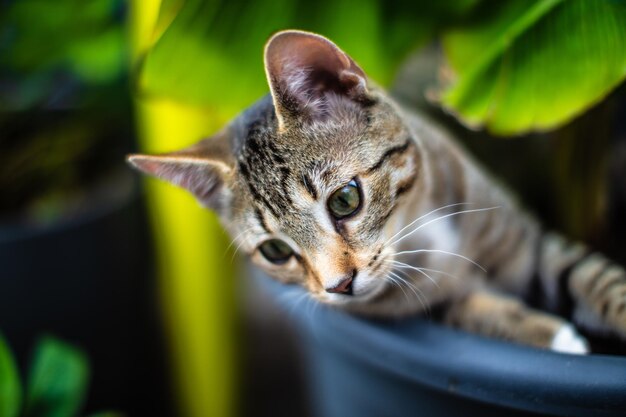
<point x="309" y="181"/>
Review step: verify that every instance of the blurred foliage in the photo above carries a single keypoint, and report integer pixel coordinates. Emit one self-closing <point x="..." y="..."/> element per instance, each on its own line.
<point x="57" y="381"/>
<point x="209" y="53"/>
<point x="56" y="386"/>
<point x="43" y="42"/>
<point x="196" y="280"/>
<point x="522" y="66"/>
<point x="514" y="66"/>
<point x="10" y="386"/>
<point x="49" y="157"/>
<point x="65" y="110"/>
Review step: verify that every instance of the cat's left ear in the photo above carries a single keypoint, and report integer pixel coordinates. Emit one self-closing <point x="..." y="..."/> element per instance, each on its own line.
<point x="205" y="169"/>
<point x="304" y="69"/>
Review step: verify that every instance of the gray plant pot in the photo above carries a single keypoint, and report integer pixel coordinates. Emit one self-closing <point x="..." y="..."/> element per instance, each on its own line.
<point x="89" y="280"/>
<point x="414" y="367"/>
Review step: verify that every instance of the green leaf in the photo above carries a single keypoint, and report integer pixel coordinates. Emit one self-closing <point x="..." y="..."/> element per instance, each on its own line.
<point x="58" y="380"/>
<point x="209" y="53"/>
<point x="85" y="37"/>
<point x="532" y="66"/>
<point x="10" y="388"/>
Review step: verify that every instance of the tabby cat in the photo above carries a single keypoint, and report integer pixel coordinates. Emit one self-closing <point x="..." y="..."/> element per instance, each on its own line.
<point x="330" y="184"/>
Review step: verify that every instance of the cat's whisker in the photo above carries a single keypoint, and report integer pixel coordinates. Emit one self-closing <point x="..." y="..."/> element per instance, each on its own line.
<point x="246" y="230"/>
<point x="421" y="271"/>
<point x="406" y="252"/>
<point x="232" y="258"/>
<point x="413" y="288"/>
<point x="422" y="217"/>
<point x="408" y="278"/>
<point x="235" y="239"/>
<point x="299" y="299"/>
<point x="441" y="218"/>
<point x="296" y="292"/>
<point x="406" y="281"/>
<point x="407" y="266"/>
<point x="397" y="284"/>
<point x="306" y="301"/>
<point x="316" y="307"/>
<point x="292" y="293"/>
<point x="312" y="305"/>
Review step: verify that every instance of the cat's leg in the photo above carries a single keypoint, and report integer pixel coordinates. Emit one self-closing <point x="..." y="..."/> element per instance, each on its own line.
<point x="503" y="317"/>
<point x="583" y="285"/>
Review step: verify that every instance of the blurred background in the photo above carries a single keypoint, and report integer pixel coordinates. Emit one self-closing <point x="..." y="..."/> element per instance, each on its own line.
<point x="140" y="279"/>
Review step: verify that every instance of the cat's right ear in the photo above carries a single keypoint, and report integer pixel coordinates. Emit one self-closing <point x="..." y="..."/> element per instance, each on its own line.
<point x="206" y="169"/>
<point x="304" y="70"/>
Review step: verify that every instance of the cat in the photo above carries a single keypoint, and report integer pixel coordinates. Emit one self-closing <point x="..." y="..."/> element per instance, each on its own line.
<point x="328" y="183"/>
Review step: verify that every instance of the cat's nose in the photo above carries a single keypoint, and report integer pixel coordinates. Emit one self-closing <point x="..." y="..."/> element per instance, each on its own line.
<point x="344" y="286"/>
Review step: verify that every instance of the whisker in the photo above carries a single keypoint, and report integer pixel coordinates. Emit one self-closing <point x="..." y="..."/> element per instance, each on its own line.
<point x="441" y="251"/>
<point x="441" y="218"/>
<point x="407" y="266"/>
<point x="239" y="245"/>
<point x="414" y="289"/>
<point x="404" y="274"/>
<point x="421" y="271"/>
<point x="307" y="309"/>
<point x="407" y="278"/>
<point x="298" y="299"/>
<point x="232" y="258"/>
<point x="421" y="217"/>
<point x="393" y="281"/>
<point x="236" y="238"/>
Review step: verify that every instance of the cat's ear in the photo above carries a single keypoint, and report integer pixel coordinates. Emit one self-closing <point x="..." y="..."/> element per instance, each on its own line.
<point x="303" y="68"/>
<point x="205" y="169"/>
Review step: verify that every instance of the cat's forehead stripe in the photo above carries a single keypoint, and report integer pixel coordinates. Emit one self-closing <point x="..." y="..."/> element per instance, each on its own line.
<point x="309" y="185"/>
<point x="256" y="195"/>
<point x="261" y="219"/>
<point x="396" y="150"/>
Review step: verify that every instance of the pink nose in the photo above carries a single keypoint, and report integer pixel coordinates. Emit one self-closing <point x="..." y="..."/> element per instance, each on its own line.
<point x="344" y="287"/>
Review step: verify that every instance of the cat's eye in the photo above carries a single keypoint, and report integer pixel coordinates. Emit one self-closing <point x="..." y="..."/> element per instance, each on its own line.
<point x="276" y="251"/>
<point x="345" y="201"/>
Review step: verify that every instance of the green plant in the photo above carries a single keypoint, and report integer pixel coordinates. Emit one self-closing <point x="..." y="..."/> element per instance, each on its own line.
<point x="512" y="67"/>
<point x="84" y="44"/>
<point x="64" y="104"/>
<point x="57" y="382"/>
<point x="521" y="66"/>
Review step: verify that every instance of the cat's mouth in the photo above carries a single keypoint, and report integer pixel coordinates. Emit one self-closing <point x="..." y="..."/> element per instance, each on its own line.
<point x="362" y="292"/>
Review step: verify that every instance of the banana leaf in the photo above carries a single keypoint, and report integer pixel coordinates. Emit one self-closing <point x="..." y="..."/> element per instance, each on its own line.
<point x="209" y="53"/>
<point x="520" y="66"/>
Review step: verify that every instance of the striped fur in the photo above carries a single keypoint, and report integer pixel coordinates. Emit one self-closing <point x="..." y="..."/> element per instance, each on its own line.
<point x="433" y="229"/>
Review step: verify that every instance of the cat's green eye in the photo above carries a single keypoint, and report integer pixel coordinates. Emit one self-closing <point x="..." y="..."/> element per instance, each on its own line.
<point x="345" y="201"/>
<point x="276" y="251"/>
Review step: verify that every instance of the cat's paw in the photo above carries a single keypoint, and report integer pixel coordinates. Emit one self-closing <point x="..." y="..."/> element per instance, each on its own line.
<point x="567" y="340"/>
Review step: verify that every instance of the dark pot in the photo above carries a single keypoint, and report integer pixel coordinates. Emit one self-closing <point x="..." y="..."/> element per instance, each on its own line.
<point x="412" y="367"/>
<point x="89" y="281"/>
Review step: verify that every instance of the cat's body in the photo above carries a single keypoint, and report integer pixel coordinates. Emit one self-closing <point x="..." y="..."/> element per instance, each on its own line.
<point x="330" y="184"/>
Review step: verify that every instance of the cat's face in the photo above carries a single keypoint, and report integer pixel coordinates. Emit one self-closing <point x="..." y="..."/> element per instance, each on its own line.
<point x="309" y="182"/>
